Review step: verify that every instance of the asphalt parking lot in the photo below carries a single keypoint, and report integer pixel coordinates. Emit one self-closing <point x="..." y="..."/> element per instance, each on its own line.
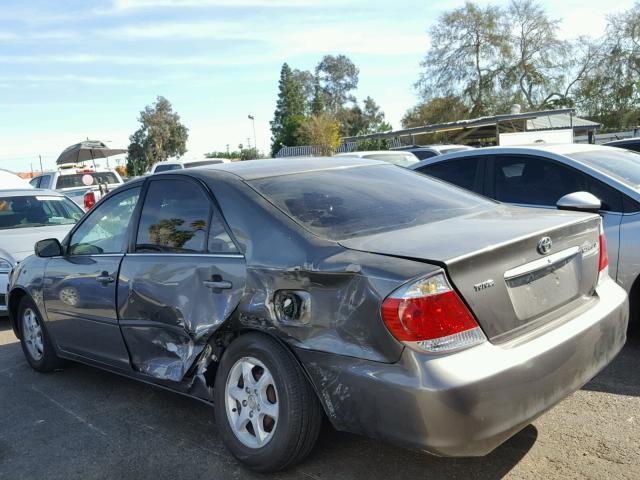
<point x="85" y="423"/>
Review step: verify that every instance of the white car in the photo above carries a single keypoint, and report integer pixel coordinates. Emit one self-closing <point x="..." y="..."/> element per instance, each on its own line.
<point x="179" y="164"/>
<point x="11" y="180"/>
<point x="28" y="215"/>
<point x="400" y="158"/>
<point x="85" y="186"/>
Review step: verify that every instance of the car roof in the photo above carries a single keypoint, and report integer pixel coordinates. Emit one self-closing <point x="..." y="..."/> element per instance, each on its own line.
<point x="28" y="192"/>
<point x="558" y="149"/>
<point x="74" y="171"/>
<point x="373" y="152"/>
<point x="272" y="167"/>
<point x="624" y="141"/>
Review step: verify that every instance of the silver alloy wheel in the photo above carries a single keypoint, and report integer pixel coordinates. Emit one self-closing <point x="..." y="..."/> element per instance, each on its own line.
<point x="251" y="402"/>
<point x="32" y="334"/>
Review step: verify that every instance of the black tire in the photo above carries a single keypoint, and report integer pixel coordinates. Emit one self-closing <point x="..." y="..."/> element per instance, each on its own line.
<point x="300" y="414"/>
<point x="49" y="360"/>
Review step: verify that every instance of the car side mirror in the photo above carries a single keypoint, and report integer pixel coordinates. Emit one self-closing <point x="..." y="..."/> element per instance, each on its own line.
<point x="48" y="248"/>
<point x="579" y="201"/>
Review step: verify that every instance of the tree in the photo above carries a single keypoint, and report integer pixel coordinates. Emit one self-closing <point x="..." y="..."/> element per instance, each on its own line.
<point x="465" y="58"/>
<point x="610" y="91"/>
<point x="161" y="135"/>
<point x="337" y="76"/>
<point x="437" y="110"/>
<point x="290" y="111"/>
<point x="360" y="121"/>
<point x="307" y="81"/>
<point x="374" y="117"/>
<point x="542" y="70"/>
<point x="322" y="130"/>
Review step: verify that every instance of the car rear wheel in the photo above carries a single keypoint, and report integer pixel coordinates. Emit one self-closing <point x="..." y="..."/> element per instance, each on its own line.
<point x="35" y="341"/>
<point x="266" y="411"/>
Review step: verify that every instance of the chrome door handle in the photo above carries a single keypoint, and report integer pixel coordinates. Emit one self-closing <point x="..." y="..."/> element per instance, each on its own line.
<point x="220" y="284"/>
<point x="105" y="278"/>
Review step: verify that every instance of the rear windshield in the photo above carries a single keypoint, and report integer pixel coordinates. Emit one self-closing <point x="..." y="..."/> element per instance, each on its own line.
<point x="615" y="162"/>
<point x="345" y="203"/>
<point x="396" y="159"/>
<point x="75" y="180"/>
<point x="201" y="163"/>
<point x="166" y="168"/>
<point x="37" y="211"/>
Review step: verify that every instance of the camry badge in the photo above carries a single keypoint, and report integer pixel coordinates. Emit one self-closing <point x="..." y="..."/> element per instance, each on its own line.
<point x="544" y="245"/>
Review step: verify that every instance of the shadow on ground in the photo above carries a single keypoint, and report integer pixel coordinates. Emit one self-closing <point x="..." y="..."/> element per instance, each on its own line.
<point x="86" y="423"/>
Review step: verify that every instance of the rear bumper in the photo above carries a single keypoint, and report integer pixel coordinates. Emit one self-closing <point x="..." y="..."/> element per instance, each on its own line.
<point x="468" y="403"/>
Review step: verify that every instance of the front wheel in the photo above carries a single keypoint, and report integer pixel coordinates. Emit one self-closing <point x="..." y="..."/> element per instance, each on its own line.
<point x="266" y="411"/>
<point x="35" y="341"/>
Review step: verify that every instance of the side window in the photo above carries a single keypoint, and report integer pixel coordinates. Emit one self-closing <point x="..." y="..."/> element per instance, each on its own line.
<point x="534" y="180"/>
<point x="175" y="217"/>
<point x="35" y="182"/>
<point x="105" y="228"/>
<point x="461" y="172"/>
<point x="610" y="198"/>
<point x="219" y="239"/>
<point x="45" y="181"/>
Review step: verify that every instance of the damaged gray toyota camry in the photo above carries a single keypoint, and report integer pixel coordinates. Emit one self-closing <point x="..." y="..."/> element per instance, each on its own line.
<point x="283" y="291"/>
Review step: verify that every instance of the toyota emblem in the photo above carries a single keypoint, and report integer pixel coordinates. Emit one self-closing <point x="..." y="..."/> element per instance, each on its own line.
<point x="544" y="245"/>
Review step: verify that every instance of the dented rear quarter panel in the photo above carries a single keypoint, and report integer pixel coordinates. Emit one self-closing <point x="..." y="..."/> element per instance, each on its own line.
<point x="345" y="287"/>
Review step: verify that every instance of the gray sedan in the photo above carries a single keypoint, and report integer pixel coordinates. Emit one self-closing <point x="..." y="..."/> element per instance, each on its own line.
<point x="539" y="176"/>
<point x="284" y="291"/>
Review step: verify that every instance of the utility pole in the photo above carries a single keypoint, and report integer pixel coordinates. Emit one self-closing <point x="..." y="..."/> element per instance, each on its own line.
<point x="227" y="149"/>
<point x="249" y="143"/>
<point x="255" y="143"/>
<point x="41" y="169"/>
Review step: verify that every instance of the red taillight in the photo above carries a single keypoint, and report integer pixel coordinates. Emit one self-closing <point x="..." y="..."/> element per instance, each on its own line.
<point x="604" y="256"/>
<point x="431" y="314"/>
<point x="89" y="200"/>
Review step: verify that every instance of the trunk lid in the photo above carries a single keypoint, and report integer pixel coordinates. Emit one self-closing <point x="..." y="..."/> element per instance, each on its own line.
<point x="493" y="260"/>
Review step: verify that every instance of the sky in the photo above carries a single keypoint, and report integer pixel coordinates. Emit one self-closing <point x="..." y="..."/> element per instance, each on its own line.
<point x="77" y="69"/>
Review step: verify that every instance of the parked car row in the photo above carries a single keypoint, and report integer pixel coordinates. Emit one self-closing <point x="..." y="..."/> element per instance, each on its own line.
<point x="394" y="304"/>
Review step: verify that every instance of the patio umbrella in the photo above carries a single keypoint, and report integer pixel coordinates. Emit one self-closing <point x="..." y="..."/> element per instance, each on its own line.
<point x="87" y="150"/>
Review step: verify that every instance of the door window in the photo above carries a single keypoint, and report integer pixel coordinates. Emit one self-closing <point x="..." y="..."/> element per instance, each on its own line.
<point x="219" y="239"/>
<point x="461" y="172"/>
<point x="534" y="180"/>
<point x="175" y="218"/>
<point x="105" y="229"/>
<point x="35" y="182"/>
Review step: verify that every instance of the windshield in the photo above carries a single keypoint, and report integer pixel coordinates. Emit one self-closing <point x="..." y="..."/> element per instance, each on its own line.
<point x="37" y="211"/>
<point x="75" y="180"/>
<point x="615" y="162"/>
<point x="395" y="158"/>
<point x="350" y="202"/>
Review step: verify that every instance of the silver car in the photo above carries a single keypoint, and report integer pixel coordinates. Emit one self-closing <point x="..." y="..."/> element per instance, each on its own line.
<point x="26" y="216"/>
<point x="538" y="176"/>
